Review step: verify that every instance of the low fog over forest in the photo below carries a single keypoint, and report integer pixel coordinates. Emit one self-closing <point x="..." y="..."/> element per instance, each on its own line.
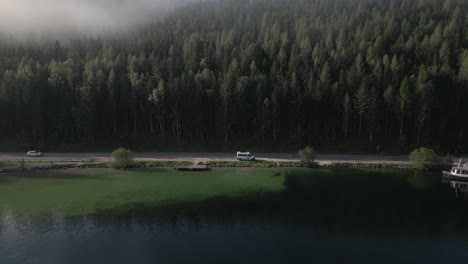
<point x="354" y="74"/>
<point x="26" y="18"/>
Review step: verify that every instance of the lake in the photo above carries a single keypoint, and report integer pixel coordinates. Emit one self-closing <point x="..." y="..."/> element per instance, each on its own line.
<point x="231" y="216"/>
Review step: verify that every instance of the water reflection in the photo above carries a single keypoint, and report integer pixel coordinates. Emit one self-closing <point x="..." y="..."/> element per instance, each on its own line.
<point x="359" y="201"/>
<point x="367" y="215"/>
<point x="460" y="187"/>
<point x="423" y="181"/>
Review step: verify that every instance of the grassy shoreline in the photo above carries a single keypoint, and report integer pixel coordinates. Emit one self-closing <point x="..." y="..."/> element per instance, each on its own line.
<point x="16" y="166"/>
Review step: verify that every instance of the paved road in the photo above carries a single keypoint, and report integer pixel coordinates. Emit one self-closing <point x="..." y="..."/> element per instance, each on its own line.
<point x="205" y="156"/>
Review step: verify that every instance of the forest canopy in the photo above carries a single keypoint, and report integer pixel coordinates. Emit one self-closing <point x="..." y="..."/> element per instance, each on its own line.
<point x="281" y="71"/>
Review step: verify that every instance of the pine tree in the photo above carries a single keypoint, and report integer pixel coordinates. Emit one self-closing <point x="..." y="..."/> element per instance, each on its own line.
<point x="404" y="101"/>
<point x="361" y="104"/>
<point x="346" y="110"/>
<point x="227" y="90"/>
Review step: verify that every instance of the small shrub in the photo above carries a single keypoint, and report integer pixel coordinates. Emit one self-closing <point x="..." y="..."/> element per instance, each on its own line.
<point x="447" y="161"/>
<point x="22" y="165"/>
<point x="121" y="158"/>
<point x="424" y="159"/>
<point x="241" y="164"/>
<point x="307" y="156"/>
<point x="161" y="164"/>
<point x="289" y="164"/>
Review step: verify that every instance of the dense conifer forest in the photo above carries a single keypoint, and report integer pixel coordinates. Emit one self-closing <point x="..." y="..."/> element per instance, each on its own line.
<point x="273" y="72"/>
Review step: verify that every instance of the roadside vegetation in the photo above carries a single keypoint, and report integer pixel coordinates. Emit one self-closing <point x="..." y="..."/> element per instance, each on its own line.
<point x="307" y="156"/>
<point x="161" y="164"/>
<point x="368" y="166"/>
<point x="57" y="166"/>
<point x="121" y="159"/>
<point x="425" y="159"/>
<point x="22" y="165"/>
<point x="242" y="164"/>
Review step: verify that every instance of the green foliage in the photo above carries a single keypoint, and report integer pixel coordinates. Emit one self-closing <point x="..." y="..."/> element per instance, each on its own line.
<point x="424" y="159"/>
<point x="121" y="158"/>
<point x="307" y="156"/>
<point x="346" y="111"/>
<point x="366" y="166"/>
<point x="204" y="74"/>
<point x="447" y="160"/>
<point x="240" y="164"/>
<point x="290" y="164"/>
<point x="161" y="164"/>
<point x="22" y="165"/>
<point x="463" y="73"/>
<point x="361" y="104"/>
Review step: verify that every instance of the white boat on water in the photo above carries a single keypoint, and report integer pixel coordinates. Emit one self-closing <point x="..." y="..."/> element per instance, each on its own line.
<point x="460" y="171"/>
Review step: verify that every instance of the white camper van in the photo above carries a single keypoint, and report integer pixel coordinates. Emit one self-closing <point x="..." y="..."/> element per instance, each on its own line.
<point x="246" y="156"/>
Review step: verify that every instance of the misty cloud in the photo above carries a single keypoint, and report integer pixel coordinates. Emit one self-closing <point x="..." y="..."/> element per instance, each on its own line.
<point x="26" y="17"/>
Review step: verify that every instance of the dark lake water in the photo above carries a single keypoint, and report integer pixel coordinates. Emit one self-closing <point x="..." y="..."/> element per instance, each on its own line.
<point x="334" y="217"/>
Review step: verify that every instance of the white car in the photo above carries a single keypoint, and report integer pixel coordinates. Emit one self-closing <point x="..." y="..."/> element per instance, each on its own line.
<point x="34" y="153"/>
<point x="245" y="156"/>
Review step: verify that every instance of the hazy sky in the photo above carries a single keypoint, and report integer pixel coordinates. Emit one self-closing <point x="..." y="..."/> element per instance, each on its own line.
<point x="22" y="17"/>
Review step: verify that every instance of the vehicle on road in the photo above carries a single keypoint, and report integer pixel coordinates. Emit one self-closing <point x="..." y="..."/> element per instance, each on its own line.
<point x="245" y="156"/>
<point x="34" y="153"/>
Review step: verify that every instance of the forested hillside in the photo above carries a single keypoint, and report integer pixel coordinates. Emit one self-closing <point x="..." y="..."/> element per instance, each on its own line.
<point x="281" y="71"/>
